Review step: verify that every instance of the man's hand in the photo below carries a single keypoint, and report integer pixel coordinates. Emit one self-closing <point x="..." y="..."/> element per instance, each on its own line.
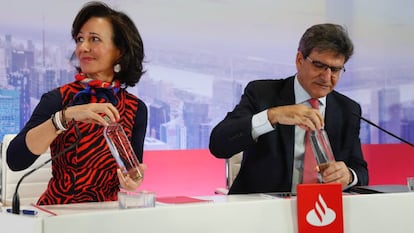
<point x="337" y="172"/>
<point x="298" y="114"/>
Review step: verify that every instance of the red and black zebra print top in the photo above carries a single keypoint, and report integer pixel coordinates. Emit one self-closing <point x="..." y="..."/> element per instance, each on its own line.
<point x="87" y="173"/>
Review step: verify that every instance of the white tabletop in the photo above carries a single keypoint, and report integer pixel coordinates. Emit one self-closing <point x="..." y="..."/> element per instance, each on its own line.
<point x="234" y="213"/>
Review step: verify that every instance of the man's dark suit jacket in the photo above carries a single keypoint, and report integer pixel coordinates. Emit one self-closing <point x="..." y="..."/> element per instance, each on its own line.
<point x="268" y="162"/>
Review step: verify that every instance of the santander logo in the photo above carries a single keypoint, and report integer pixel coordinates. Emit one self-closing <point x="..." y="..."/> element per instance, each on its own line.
<point x="321" y="215"/>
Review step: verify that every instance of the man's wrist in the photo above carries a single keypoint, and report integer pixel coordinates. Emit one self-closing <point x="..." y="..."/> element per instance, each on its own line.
<point x="260" y="124"/>
<point x="353" y="177"/>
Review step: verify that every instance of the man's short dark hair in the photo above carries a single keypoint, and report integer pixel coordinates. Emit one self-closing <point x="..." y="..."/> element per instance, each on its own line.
<point x="326" y="37"/>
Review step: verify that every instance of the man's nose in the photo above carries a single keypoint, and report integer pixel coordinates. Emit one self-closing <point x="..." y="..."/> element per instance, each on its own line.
<point x="327" y="73"/>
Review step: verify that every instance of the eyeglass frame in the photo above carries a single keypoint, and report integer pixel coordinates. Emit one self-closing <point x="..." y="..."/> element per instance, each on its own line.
<point x="321" y="65"/>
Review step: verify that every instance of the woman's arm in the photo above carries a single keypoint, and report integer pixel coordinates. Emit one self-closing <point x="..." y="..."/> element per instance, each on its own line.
<point x="139" y="130"/>
<point x="37" y="135"/>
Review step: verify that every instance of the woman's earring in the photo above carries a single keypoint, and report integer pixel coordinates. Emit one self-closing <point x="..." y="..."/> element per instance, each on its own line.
<point x="117" y="68"/>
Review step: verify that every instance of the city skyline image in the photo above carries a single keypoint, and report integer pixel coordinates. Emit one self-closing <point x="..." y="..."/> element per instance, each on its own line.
<point x="201" y="54"/>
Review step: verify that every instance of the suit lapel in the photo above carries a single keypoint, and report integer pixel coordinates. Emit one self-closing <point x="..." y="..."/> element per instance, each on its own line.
<point x="332" y="119"/>
<point x="287" y="97"/>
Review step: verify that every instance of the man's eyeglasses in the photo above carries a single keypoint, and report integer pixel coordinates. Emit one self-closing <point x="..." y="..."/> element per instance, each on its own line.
<point x="323" y="66"/>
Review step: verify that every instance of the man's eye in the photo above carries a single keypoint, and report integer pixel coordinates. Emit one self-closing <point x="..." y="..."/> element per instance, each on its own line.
<point x="335" y="69"/>
<point x="320" y="65"/>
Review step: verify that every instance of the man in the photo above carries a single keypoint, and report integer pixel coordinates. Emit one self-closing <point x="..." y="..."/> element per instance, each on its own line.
<point x="270" y="122"/>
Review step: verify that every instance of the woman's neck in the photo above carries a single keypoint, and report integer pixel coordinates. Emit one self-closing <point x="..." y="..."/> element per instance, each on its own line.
<point x="103" y="78"/>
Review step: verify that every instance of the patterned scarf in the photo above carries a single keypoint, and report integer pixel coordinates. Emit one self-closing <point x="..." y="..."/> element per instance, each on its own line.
<point x="96" y="91"/>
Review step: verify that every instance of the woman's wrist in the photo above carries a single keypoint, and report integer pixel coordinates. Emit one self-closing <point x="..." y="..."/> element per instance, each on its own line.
<point x="59" y="122"/>
<point x="55" y="125"/>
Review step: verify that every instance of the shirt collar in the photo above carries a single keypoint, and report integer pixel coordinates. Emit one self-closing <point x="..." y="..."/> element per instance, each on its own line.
<point x="302" y="96"/>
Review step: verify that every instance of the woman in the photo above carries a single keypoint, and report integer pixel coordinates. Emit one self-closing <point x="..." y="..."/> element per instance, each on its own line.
<point x="110" y="53"/>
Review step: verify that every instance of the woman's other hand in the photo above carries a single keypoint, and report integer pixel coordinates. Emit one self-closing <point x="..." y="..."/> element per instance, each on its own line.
<point x="131" y="182"/>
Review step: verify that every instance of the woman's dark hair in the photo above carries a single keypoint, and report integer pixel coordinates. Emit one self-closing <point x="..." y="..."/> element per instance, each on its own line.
<point x="125" y="37"/>
<point x="326" y="37"/>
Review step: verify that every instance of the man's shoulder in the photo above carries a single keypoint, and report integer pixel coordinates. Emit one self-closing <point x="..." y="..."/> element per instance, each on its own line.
<point x="270" y="82"/>
<point x="343" y="98"/>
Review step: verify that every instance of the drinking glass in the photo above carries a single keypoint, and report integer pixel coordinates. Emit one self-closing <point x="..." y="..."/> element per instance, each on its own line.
<point x="135" y="199"/>
<point x="321" y="148"/>
<point x="122" y="151"/>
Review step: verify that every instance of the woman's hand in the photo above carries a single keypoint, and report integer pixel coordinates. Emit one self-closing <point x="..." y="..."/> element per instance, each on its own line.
<point x="133" y="179"/>
<point x="92" y="113"/>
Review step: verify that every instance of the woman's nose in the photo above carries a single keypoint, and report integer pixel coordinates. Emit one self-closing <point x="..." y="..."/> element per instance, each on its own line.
<point x="84" y="46"/>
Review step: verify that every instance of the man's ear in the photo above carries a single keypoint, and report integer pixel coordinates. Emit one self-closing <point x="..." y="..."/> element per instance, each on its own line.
<point x="299" y="60"/>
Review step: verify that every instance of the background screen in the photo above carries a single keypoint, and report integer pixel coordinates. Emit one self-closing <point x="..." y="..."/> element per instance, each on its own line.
<point x="200" y="54"/>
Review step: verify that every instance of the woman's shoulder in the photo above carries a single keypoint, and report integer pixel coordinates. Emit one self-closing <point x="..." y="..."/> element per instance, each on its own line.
<point x="70" y="87"/>
<point x="132" y="97"/>
<point x="51" y="95"/>
<point x="133" y="100"/>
